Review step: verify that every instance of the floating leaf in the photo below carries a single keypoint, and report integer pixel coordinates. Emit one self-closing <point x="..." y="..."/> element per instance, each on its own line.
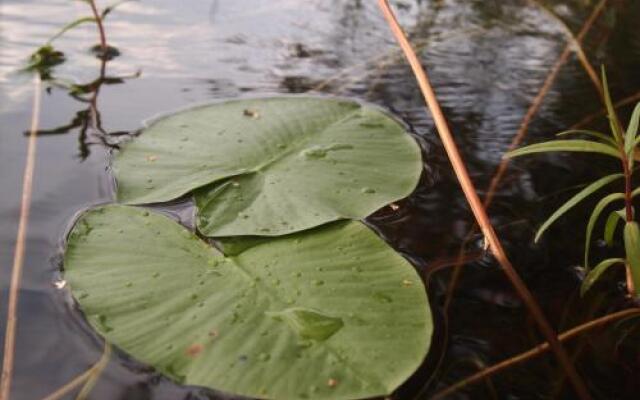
<point x="322" y="314"/>
<point x="632" y="249"/>
<point x="611" y="225"/>
<point x="577" y="145"/>
<point x="272" y="166"/>
<point x="572" y="202"/>
<point x="596" y="272"/>
<point x="595" y="214"/>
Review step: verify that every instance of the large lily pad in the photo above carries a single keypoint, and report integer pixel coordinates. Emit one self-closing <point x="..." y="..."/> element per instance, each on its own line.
<point x="272" y="166"/>
<point x="328" y="313"/>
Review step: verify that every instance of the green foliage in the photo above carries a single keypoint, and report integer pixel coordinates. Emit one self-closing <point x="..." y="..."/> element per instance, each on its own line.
<point x="597" y="272"/>
<point x="632" y="248"/>
<point x="46" y="57"/>
<point x="572" y="202"/>
<point x="622" y="145"/>
<point x="328" y="313"/>
<point x="271" y="166"/>
<point x="575" y="145"/>
<point x="71" y="25"/>
<point x="611" y="225"/>
<point x="43" y="60"/>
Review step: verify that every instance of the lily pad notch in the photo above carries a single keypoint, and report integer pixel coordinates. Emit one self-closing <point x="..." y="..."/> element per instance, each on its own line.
<point x="271" y="166"/>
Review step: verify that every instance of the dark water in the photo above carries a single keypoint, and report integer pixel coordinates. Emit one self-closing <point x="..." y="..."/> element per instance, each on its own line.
<point x="487" y="59"/>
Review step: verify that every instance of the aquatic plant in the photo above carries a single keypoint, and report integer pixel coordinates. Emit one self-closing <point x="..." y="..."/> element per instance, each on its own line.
<point x="619" y="144"/>
<point x="312" y="308"/>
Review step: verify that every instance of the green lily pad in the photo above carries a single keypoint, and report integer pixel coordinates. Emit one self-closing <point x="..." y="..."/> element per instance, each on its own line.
<point x="271" y="166"/>
<point x="329" y="313"/>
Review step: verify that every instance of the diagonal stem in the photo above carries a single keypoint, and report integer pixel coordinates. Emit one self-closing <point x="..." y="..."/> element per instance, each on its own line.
<point x="534" y="352"/>
<point x="21" y="238"/>
<point x="476" y="205"/>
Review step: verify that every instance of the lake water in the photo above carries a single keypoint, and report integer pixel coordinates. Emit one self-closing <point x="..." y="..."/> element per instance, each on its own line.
<point x="487" y="59"/>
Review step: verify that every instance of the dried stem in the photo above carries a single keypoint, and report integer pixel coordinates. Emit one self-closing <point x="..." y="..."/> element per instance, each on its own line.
<point x="21" y="238"/>
<point x="534" y="352"/>
<point x="475" y="203"/>
<point x="88" y="376"/>
<point x="573" y="44"/>
<point x="591" y="117"/>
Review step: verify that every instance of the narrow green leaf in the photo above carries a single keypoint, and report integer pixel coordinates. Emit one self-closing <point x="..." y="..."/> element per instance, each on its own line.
<point x="597" y="210"/>
<point x="632" y="248"/>
<point x="630" y="139"/>
<point x="107" y="10"/>
<point x="577" y="145"/>
<point x="595" y="273"/>
<point x="594" y="134"/>
<point x="611" y="113"/>
<point x="70" y="26"/>
<point x="610" y="226"/>
<point x="572" y="202"/>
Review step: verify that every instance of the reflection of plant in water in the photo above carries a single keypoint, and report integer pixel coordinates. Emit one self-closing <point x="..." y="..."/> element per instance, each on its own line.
<point x="88" y="120"/>
<point x="624" y="146"/>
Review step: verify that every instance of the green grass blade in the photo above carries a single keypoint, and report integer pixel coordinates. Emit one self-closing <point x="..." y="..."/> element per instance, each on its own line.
<point x="593" y="134"/>
<point x="632" y="248"/>
<point x="107" y="10"/>
<point x="577" y="145"/>
<point x="611" y="113"/>
<point x="595" y="273"/>
<point x="572" y="202"/>
<point x="70" y="26"/>
<point x="630" y="139"/>
<point x="610" y="226"/>
<point x="597" y="210"/>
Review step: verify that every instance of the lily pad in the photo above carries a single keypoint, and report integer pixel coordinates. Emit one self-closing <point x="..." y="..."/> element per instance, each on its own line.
<point x="271" y="166"/>
<point x="331" y="312"/>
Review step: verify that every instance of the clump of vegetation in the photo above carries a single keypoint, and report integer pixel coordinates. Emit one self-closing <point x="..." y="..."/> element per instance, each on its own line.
<point x="622" y="145"/>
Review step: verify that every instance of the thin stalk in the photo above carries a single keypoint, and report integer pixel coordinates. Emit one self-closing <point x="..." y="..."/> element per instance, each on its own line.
<point x="98" y="17"/>
<point x="86" y="376"/>
<point x="19" y="252"/>
<point x="476" y="205"/>
<point x="591" y="117"/>
<point x="572" y="45"/>
<point x="534" y="352"/>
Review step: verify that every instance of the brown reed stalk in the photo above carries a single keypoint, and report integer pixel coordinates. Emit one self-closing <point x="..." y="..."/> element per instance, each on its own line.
<point x="21" y="238"/>
<point x="591" y="117"/>
<point x="534" y="352"/>
<point x="574" y="43"/>
<point x="88" y="377"/>
<point x="476" y="205"/>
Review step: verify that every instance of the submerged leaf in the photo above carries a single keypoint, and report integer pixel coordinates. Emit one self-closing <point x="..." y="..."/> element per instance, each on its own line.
<point x="572" y="202"/>
<point x="596" y="272"/>
<point x="576" y="145"/>
<point x="281" y="318"/>
<point x="272" y="166"/>
<point x="597" y="210"/>
<point x="632" y="248"/>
